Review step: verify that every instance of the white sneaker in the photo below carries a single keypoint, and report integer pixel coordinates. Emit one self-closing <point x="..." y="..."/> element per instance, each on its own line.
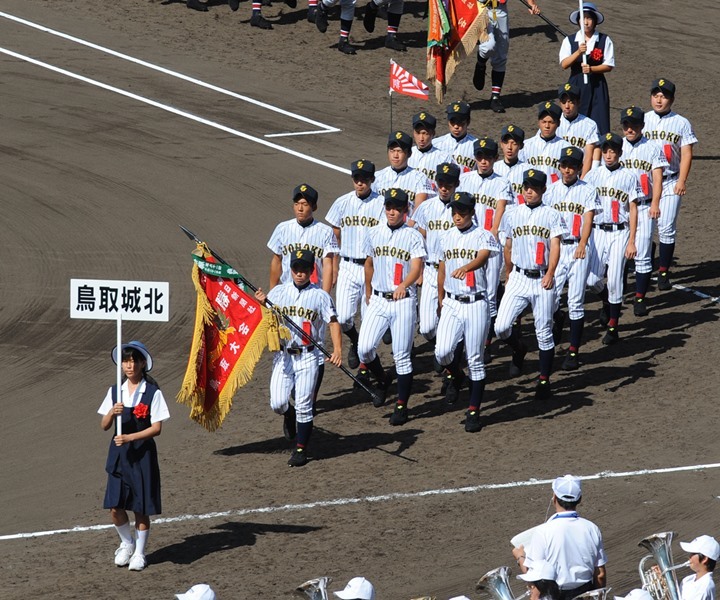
<point x="123" y="554"/>
<point x="137" y="562"/>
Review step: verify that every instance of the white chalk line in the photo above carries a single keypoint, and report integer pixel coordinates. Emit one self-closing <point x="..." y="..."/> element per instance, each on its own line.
<point x="697" y="293"/>
<point x="154" y="67"/>
<point x="175" y="111"/>
<point x="369" y="499"/>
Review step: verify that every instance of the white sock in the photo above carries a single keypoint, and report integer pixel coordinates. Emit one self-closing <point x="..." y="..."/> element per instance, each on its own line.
<point x="125" y="534"/>
<point x="142" y="536"/>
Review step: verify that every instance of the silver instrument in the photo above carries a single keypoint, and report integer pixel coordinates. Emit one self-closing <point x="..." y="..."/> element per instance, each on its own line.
<point x="660" y="581"/>
<point x="314" y="589"/>
<point x="598" y="594"/>
<point x="497" y="584"/>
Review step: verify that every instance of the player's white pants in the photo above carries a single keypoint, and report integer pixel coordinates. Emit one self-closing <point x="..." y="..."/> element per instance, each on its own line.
<point x="521" y="290"/>
<point x="457" y="321"/>
<point x="669" y="209"/>
<point x="297" y="371"/>
<point x="609" y="251"/>
<point x="643" y="239"/>
<point x="498" y="42"/>
<point x="429" y="303"/>
<point x="347" y="8"/>
<point x="349" y="292"/>
<point x="492" y="275"/>
<point x="394" y="6"/>
<point x="400" y="316"/>
<point x="574" y="272"/>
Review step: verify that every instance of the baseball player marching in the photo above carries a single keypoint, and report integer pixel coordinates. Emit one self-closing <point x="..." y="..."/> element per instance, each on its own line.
<point x="458" y="142"/>
<point x="425" y="157"/>
<point x="543" y="150"/>
<point x="677" y="137"/>
<point x="576" y="129"/>
<point x="462" y="302"/>
<point x="395" y="254"/>
<point x="577" y="203"/>
<point x="615" y="229"/>
<point x="532" y="252"/>
<point x="512" y="141"/>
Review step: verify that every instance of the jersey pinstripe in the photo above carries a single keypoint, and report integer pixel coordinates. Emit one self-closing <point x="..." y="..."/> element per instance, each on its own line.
<point x="514" y="174"/>
<point x="673" y="132"/>
<point x="410" y="180"/>
<point x="427" y="161"/>
<point x="461" y="150"/>
<point x="355" y="217"/>
<point x="458" y="248"/>
<point x="572" y="202"/>
<point x="579" y="132"/>
<point x="392" y="250"/>
<point x="530" y="227"/>
<point x="489" y="192"/>
<point x="544" y="154"/>
<point x="615" y="189"/>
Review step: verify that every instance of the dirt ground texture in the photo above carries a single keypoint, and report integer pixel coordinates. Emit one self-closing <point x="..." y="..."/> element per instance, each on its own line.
<point x="95" y="184"/>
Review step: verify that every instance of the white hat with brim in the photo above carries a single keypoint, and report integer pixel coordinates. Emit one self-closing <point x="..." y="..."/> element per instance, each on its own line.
<point x="358" y="588"/>
<point x="567" y="488"/>
<point x="539" y="570"/>
<point x="636" y="594"/>
<point x="587" y="7"/>
<point x="201" y="591"/>
<point x="140" y="347"/>
<point x="705" y="545"/>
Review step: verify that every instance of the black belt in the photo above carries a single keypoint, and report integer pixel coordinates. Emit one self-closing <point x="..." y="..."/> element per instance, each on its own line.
<point x="610" y="226"/>
<point x="293" y="350"/>
<point x="435" y="266"/>
<point x="385" y="295"/>
<point x="671" y="176"/>
<point x="531" y="273"/>
<point x="466" y="299"/>
<point x="644" y="201"/>
<point x="569" y="241"/>
<point x="357" y="261"/>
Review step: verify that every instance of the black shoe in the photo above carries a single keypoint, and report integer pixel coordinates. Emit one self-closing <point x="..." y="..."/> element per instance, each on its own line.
<point x="543" y="391"/>
<point x="571" y="362"/>
<point x="472" y="421"/>
<point x="393" y="43"/>
<point x="447" y="380"/>
<point x="371" y="12"/>
<point x="321" y="17"/>
<point x="640" y="307"/>
<point x="611" y="336"/>
<point x="260" y="21"/>
<point x="196" y="5"/>
<point x="234" y="4"/>
<point x="353" y="359"/>
<point x="479" y="74"/>
<point x="312" y="12"/>
<point x="387" y="337"/>
<point x="399" y="416"/>
<point x="364" y="376"/>
<point x="558" y="323"/>
<point x="663" y="281"/>
<point x="453" y="389"/>
<point x="289" y="425"/>
<point x="604" y="316"/>
<point x="298" y="458"/>
<point x="345" y="47"/>
<point x="518" y="359"/>
<point x="496" y="105"/>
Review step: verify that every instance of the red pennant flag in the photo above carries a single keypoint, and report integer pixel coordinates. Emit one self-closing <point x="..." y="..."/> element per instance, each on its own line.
<point x="403" y="82"/>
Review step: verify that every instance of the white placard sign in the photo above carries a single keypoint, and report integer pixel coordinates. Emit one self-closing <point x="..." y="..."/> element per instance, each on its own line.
<point x="113" y="299"/>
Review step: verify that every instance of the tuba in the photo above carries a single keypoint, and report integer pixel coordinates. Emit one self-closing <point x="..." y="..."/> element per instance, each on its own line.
<point x="598" y="594"/>
<point x="661" y="585"/>
<point x="314" y="589"/>
<point x="497" y="583"/>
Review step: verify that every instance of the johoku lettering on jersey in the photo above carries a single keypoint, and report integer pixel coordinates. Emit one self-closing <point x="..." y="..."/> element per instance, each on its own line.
<point x="531" y="231"/>
<point x="579" y="132"/>
<point x="673" y="132"/>
<point x="641" y="158"/>
<point x="615" y="189"/>
<point x="435" y="217"/>
<point x="355" y="217"/>
<point x="572" y="202"/>
<point x="514" y="175"/>
<point x="458" y="248"/>
<point x="411" y="181"/>
<point x="488" y="192"/>
<point x="308" y="305"/>
<point x="427" y="161"/>
<point x="462" y="151"/>
<point x="391" y="251"/>
<point x="544" y="154"/>
<point x="289" y="237"/>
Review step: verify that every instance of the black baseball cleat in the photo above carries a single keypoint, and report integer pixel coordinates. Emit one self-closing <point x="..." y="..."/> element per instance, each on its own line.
<point x="611" y="336"/>
<point x="517" y="361"/>
<point x="571" y="362"/>
<point x="640" y="307"/>
<point x="321" y="17"/>
<point x="197" y="5"/>
<point x="387" y="337"/>
<point x="453" y="389"/>
<point x="312" y="13"/>
<point x="393" y="43"/>
<point x="663" y="281"/>
<point x="496" y="105"/>
<point x="479" y="74"/>
<point x="472" y="421"/>
<point x="399" y="416"/>
<point x="364" y="376"/>
<point x="380" y="395"/>
<point x="289" y="425"/>
<point x="260" y="22"/>
<point x="345" y="47"/>
<point x="353" y="359"/>
<point x="234" y="4"/>
<point x="543" y="391"/>
<point x="298" y="458"/>
<point x="371" y="12"/>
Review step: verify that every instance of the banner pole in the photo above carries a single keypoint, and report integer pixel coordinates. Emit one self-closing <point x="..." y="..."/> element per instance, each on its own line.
<point x="118" y="358"/>
<point x="581" y="22"/>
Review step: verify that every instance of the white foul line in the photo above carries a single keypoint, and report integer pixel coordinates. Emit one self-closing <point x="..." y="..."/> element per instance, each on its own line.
<point x="368" y="499"/>
<point x="326" y="128"/>
<point x="175" y="111"/>
<point x="699" y="294"/>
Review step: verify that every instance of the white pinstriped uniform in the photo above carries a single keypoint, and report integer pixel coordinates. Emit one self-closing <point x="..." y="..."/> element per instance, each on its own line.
<point x="527" y="228"/>
<point x="354" y="217"/>
<point x="435" y="217"/>
<point x="308" y="307"/>
<point x="579" y="132"/>
<point x="388" y="249"/>
<point x="427" y="161"/>
<point x="489" y="192"/>
<point x="515" y="176"/>
<point x="458" y="319"/>
<point x="462" y="150"/>
<point x="289" y="237"/>
<point x="615" y="188"/>
<point x="544" y="155"/>
<point x="673" y="132"/>
<point x="573" y="203"/>
<point x="641" y="158"/>
<point x="409" y="180"/>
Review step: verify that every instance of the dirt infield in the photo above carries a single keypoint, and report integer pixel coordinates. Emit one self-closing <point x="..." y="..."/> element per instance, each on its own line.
<point x="95" y="184"/>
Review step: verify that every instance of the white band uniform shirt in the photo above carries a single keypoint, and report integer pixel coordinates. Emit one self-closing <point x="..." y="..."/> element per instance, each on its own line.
<point x="410" y="180"/>
<point x="158" y="407"/>
<point x="354" y="217"/>
<point x="702" y="588"/>
<point x="544" y="155"/>
<point x="579" y="132"/>
<point x="392" y="251"/>
<point x="426" y="161"/>
<point x="296" y="364"/>
<point x="462" y="150"/>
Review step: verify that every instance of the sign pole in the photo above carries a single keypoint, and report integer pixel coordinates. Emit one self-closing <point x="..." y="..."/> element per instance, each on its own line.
<point x="118" y="419"/>
<point x="581" y="21"/>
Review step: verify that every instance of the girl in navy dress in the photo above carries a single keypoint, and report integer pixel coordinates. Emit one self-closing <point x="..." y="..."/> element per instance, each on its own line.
<point x="132" y="464"/>
<point x="600" y="53"/>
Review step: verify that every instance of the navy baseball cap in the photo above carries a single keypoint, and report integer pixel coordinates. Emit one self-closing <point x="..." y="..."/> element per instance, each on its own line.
<point x="305" y="259"/>
<point x="424" y="119"/>
<point x="485" y="147"/>
<point x="569" y="89"/>
<point x="611" y="139"/>
<point x="572" y="155"/>
<point x="305" y="191"/>
<point x="534" y="178"/>
<point x="632" y="114"/>
<point x="514" y="132"/>
<point x="463" y="201"/>
<point x="362" y="167"/>
<point x="549" y="108"/>
<point x="665" y="86"/>
<point x="447" y="172"/>
<point x="396" y="197"/>
<point x="400" y="138"/>
<point x="458" y="110"/>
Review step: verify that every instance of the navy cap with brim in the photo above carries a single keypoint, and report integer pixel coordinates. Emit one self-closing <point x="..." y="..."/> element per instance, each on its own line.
<point x="569" y="89"/>
<point x="362" y="167"/>
<point x="514" y="132"/>
<point x="612" y="140"/>
<point x="632" y="114"/>
<point x="447" y="172"/>
<point x="549" y="108"/>
<point x="485" y="147"/>
<point x="305" y="191"/>
<point x="663" y="85"/>
<point x="572" y="155"/>
<point x="458" y="110"/>
<point x="534" y="178"/>
<point x="462" y="201"/>
<point x="304" y="259"/>
<point x="424" y="119"/>
<point x="399" y="138"/>
<point x="396" y="197"/>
